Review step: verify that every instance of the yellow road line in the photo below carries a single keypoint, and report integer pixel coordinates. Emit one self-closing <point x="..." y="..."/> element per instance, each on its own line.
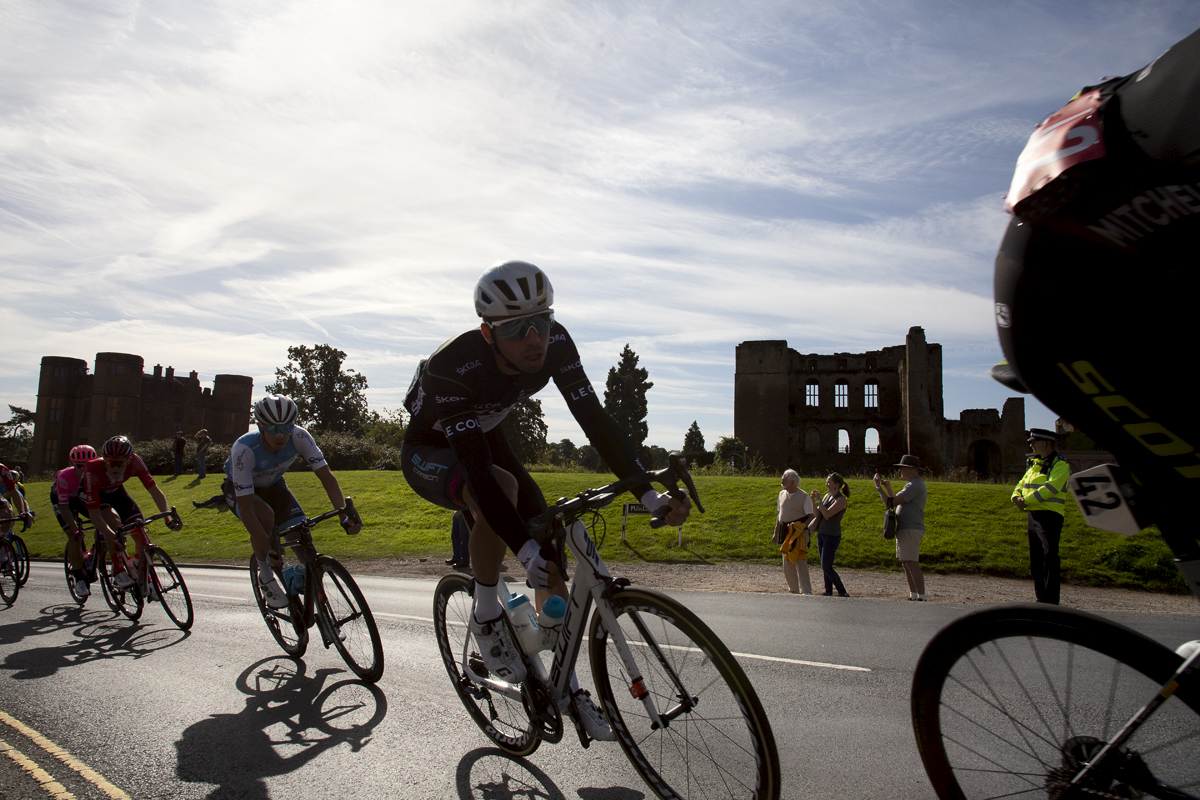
<point x="86" y="772"/>
<point x="52" y="787"/>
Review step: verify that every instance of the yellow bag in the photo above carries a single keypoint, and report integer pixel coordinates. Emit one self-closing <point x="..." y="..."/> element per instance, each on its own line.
<point x="795" y="545"/>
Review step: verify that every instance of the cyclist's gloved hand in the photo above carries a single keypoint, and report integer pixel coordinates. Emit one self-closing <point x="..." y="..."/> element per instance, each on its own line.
<point x="350" y="526"/>
<point x="538" y="571"/>
<point x="174" y="523"/>
<point x="677" y="510"/>
<point x="27" y="522"/>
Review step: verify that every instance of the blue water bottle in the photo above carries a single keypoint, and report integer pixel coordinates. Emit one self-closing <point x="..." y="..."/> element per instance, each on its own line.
<point x="550" y="620"/>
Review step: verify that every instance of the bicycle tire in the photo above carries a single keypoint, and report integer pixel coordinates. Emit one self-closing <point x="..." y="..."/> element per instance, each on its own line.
<point x="343" y="603"/>
<point x="128" y="602"/>
<point x="1005" y="699"/>
<point x="285" y="624"/>
<point x="502" y="719"/>
<point x="69" y="574"/>
<point x="173" y="593"/>
<point x="22" y="554"/>
<point x="723" y="746"/>
<point x="10" y="587"/>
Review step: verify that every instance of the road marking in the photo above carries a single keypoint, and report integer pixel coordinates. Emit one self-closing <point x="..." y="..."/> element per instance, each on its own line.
<point x="86" y="772"/>
<point x="402" y="616"/>
<point x="220" y="597"/>
<point x="52" y="787"/>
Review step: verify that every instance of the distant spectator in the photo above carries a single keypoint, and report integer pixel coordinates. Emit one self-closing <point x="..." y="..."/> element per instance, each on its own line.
<point x="180" y="444"/>
<point x="1042" y="495"/>
<point x="202" y="445"/>
<point x="910" y="518"/>
<point x="460" y="535"/>
<point x="794" y="510"/>
<point x="831" y="508"/>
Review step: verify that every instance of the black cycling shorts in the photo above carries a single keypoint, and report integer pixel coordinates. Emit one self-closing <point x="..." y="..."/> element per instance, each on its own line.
<point x="78" y="510"/>
<point x="120" y="502"/>
<point x="278" y="496"/>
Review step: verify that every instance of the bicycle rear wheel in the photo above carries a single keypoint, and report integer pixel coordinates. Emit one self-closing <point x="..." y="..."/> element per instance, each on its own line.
<point x="9" y="585"/>
<point x="356" y="636"/>
<point x="285" y="624"/>
<point x="126" y="601"/>
<point x="22" y="554"/>
<point x="717" y="740"/>
<point x="172" y="591"/>
<point x="1013" y="701"/>
<point x="501" y="717"/>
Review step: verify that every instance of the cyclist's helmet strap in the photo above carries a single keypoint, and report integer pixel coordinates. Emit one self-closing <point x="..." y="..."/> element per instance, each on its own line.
<point x="275" y="410"/>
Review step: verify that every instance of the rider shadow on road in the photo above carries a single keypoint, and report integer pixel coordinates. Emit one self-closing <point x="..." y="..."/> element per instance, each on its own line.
<point x="492" y="774"/>
<point x="97" y="635"/>
<point x="289" y="719"/>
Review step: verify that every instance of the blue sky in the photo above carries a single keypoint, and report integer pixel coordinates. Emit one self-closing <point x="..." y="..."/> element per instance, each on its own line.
<point x="205" y="184"/>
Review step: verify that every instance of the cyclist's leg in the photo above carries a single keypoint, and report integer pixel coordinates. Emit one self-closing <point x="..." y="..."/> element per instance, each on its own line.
<point x="74" y="545"/>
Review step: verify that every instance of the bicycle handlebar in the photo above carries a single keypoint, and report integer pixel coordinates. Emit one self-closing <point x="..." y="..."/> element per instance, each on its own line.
<point x="24" y="515"/>
<point x="138" y="522"/>
<point x="593" y="499"/>
<point x="349" y="509"/>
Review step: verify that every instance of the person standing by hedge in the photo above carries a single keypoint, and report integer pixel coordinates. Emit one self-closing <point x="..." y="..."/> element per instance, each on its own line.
<point x="1042" y="495"/>
<point x="180" y="445"/>
<point x="203" y="442"/>
<point x="910" y="519"/>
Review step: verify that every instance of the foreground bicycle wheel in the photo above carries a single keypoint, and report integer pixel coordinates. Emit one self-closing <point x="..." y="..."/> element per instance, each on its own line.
<point x="1013" y="701"/>
<point x="9" y="585"/>
<point x="359" y="642"/>
<point x="22" y="555"/>
<point x="503" y="719"/>
<point x="285" y="624"/>
<point x="717" y="741"/>
<point x="172" y="591"/>
<point x="126" y="601"/>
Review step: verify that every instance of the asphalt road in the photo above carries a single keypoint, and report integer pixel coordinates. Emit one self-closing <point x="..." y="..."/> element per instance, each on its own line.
<point x="89" y="697"/>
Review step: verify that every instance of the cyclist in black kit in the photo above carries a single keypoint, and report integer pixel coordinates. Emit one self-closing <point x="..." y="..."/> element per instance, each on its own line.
<point x="455" y="456"/>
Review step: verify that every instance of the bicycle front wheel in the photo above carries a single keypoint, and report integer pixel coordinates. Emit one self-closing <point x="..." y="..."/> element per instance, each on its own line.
<point x="355" y="634"/>
<point x="22" y="555"/>
<point x="172" y="591"/>
<point x="1013" y="701"/>
<point x="501" y="716"/>
<point x="126" y="601"/>
<point x="9" y="585"/>
<point x="285" y="624"/>
<point x="715" y="740"/>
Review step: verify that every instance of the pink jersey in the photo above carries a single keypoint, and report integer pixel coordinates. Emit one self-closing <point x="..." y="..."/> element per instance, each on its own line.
<point x="97" y="482"/>
<point x="66" y="484"/>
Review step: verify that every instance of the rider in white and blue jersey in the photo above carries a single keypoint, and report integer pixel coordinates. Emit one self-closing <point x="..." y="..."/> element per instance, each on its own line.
<point x="255" y="489"/>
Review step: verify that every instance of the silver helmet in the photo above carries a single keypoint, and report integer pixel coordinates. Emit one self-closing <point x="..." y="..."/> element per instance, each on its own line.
<point x="275" y="410"/>
<point x="512" y="288"/>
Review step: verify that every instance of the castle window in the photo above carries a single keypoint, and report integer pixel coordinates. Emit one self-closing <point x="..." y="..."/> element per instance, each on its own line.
<point x="812" y="394"/>
<point x="60" y="372"/>
<point x="56" y="407"/>
<point x="110" y="409"/>
<point x="843" y="441"/>
<point x="871" y="441"/>
<point x="115" y="369"/>
<point x="841" y="395"/>
<point x="871" y="394"/>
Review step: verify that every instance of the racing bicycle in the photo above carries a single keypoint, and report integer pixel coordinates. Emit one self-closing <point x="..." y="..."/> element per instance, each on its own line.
<point x="18" y="546"/>
<point x="10" y="570"/>
<point x="156" y="578"/>
<point x="91" y="564"/>
<point x="682" y="708"/>
<point x="328" y="597"/>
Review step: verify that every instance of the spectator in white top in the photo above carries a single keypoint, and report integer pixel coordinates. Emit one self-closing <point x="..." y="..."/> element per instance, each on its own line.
<point x="794" y="510"/>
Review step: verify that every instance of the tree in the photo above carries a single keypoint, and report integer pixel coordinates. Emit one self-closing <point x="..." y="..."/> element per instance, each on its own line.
<point x="693" y="440"/>
<point x="655" y="457"/>
<point x="589" y="458"/>
<point x="525" y="429"/>
<point x="564" y="453"/>
<point x="386" y="428"/>
<point x="330" y="398"/>
<point x="625" y="396"/>
<point x="731" y="452"/>
<point x="16" y="435"/>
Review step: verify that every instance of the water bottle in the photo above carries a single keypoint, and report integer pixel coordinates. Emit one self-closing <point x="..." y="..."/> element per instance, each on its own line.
<point x="550" y="621"/>
<point x="293" y="579"/>
<point x="520" y="611"/>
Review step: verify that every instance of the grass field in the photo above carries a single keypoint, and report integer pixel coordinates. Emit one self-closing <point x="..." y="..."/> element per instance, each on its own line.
<point x="972" y="528"/>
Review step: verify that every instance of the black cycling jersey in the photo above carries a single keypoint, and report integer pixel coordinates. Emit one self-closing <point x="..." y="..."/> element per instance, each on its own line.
<point x="459" y="394"/>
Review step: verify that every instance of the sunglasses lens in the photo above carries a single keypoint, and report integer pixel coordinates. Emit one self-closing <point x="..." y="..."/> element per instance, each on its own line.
<point x="519" y="328"/>
<point x="115" y="462"/>
<point x="278" y="428"/>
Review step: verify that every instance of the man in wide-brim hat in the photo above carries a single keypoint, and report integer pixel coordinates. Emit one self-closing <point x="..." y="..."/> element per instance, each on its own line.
<point x="910" y="516"/>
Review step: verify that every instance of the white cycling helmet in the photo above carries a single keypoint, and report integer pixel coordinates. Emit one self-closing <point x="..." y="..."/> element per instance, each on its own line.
<point x="275" y="410"/>
<point x="511" y="289"/>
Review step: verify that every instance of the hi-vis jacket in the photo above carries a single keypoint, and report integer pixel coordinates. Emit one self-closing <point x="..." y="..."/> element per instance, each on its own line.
<point x="1044" y="485"/>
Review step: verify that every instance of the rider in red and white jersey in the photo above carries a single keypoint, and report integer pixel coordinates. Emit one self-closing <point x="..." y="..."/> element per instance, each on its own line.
<point x="8" y="484"/>
<point x="109" y="504"/>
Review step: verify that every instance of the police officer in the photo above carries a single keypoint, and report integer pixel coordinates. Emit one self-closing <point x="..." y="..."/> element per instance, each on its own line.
<point x="1042" y="495"/>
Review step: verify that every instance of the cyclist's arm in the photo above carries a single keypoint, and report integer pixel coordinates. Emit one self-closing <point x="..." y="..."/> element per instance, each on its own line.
<point x="160" y="499"/>
<point x="334" y="490"/>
